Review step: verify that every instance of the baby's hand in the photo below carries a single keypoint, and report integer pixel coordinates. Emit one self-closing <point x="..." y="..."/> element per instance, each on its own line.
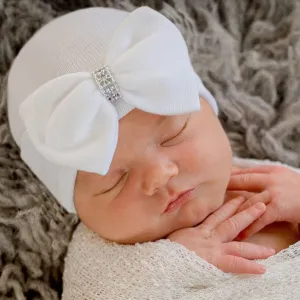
<point x="276" y="186"/>
<point x="212" y="240"/>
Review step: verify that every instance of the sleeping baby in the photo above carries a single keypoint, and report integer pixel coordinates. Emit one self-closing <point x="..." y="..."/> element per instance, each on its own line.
<point x="110" y="115"/>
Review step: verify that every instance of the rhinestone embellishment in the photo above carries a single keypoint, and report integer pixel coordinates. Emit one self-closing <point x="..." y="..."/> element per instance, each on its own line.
<point x="107" y="84"/>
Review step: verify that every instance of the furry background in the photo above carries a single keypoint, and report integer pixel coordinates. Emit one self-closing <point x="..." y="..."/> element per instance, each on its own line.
<point x="247" y="53"/>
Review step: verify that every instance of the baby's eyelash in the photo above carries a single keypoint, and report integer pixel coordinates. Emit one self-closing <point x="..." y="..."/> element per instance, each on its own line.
<point x="116" y="184"/>
<point x="182" y="129"/>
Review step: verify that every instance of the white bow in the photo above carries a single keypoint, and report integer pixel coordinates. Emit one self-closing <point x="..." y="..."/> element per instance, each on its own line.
<point x="71" y="123"/>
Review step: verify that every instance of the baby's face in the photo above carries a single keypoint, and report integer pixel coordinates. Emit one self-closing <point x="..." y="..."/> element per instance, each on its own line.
<point x="157" y="159"/>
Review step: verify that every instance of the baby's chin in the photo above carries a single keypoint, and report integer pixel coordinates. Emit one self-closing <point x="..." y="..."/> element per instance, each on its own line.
<point x="195" y="211"/>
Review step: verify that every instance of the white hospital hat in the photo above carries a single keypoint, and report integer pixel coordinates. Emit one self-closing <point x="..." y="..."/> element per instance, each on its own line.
<point x="81" y="73"/>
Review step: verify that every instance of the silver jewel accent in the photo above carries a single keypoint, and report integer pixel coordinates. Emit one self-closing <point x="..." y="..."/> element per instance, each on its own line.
<point x="107" y="84"/>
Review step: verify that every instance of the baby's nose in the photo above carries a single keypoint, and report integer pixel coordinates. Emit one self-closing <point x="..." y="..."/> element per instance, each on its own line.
<point x="157" y="176"/>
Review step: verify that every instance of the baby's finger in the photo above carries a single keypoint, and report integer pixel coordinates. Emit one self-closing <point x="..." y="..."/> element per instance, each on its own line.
<point x="247" y="250"/>
<point x="229" y="229"/>
<point x="269" y="217"/>
<point x="248" y="182"/>
<point x="229" y="195"/>
<point x="263" y="197"/>
<point x="259" y="169"/>
<point x="223" y="213"/>
<point x="235" y="264"/>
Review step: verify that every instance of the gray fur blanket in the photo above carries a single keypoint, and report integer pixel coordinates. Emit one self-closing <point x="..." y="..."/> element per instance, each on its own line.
<point x="247" y="53"/>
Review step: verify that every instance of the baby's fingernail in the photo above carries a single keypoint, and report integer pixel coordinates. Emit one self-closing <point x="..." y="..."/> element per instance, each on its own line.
<point x="271" y="251"/>
<point x="260" y="206"/>
<point x="262" y="269"/>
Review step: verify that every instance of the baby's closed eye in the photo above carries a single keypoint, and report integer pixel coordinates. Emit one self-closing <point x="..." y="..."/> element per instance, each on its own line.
<point x="117" y="186"/>
<point x="171" y="141"/>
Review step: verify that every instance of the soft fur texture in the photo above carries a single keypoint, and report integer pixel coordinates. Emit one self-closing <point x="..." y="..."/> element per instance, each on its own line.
<point x="247" y="53"/>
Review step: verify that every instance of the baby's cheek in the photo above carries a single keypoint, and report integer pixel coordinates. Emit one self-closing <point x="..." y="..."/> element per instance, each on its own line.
<point x="132" y="217"/>
<point x="193" y="213"/>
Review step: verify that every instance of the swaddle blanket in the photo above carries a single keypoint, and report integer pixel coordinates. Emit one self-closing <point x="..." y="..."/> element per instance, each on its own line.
<point x="97" y="269"/>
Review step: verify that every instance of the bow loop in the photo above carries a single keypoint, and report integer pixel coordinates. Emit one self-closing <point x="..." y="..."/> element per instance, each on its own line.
<point x="71" y="123"/>
<point x="151" y="64"/>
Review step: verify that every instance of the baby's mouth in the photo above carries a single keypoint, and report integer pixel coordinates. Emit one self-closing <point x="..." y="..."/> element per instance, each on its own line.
<point x="177" y="201"/>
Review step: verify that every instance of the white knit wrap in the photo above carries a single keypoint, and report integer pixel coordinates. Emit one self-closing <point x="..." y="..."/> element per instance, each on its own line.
<point x="67" y="124"/>
<point x="96" y="269"/>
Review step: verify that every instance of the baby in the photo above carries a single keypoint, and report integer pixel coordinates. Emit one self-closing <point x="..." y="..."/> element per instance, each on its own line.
<point x="111" y="116"/>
